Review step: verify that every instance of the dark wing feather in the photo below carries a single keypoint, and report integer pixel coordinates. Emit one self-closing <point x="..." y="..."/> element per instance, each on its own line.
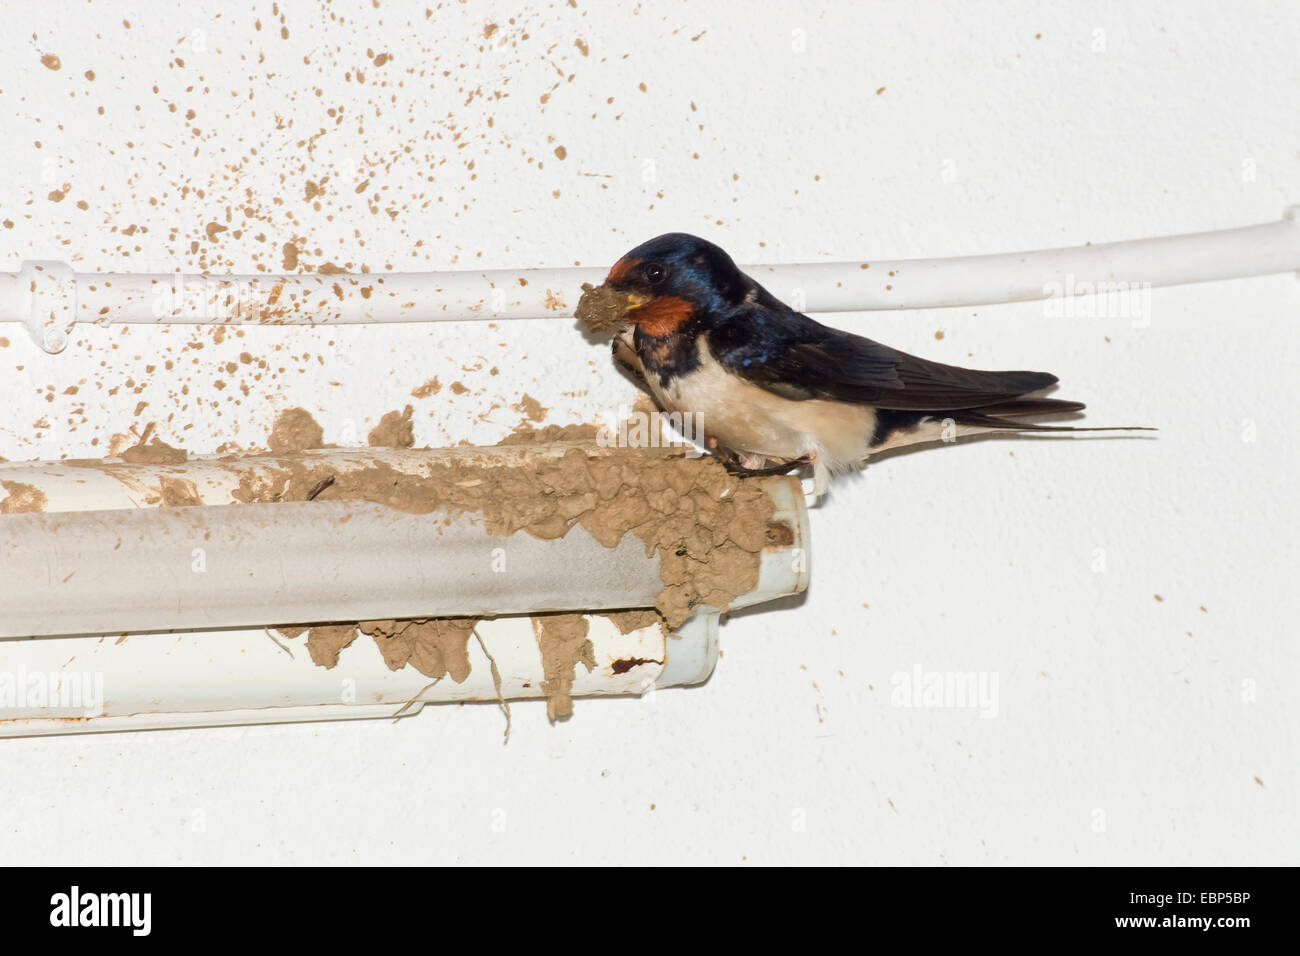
<point x="795" y="357"/>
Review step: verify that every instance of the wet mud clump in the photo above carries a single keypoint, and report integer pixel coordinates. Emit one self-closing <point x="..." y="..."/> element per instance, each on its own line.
<point x="394" y="430"/>
<point x="562" y="639"/>
<point x="295" y="430"/>
<point x="706" y="526"/>
<point x="436" y="647"/>
<point x="153" y="451"/>
<point x="601" y="309"/>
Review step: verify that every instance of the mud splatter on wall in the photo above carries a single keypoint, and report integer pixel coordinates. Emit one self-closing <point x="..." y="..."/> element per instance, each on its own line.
<point x="317" y="138"/>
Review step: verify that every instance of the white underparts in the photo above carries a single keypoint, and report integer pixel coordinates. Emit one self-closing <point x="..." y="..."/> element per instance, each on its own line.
<point x="752" y="421"/>
<point x="760" y="426"/>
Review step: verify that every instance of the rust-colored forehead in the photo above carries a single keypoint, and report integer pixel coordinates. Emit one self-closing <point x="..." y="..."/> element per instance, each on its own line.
<point x="621" y="268"/>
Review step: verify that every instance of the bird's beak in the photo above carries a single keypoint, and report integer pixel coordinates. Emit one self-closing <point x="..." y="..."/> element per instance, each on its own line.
<point x="635" y="300"/>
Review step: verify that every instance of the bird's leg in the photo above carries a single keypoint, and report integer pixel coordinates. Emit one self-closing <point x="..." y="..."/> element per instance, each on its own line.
<point x="743" y="465"/>
<point x="821" y="479"/>
<point x="821" y="476"/>
<point x="761" y="471"/>
<point x="750" y="465"/>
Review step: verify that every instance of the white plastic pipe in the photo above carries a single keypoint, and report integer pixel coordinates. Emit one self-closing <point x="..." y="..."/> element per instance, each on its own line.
<point x="254" y="565"/>
<point x="103" y="484"/>
<point x="135" y="569"/>
<point x="94" y="557"/>
<point x="51" y="299"/>
<point x="210" y="678"/>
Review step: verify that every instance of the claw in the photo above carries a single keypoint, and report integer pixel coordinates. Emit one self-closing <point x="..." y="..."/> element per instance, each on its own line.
<point x="756" y="466"/>
<point x="821" y="480"/>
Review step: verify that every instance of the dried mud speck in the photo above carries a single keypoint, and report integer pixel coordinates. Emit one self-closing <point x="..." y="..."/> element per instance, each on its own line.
<point x="22" y="498"/>
<point x="431" y="387"/>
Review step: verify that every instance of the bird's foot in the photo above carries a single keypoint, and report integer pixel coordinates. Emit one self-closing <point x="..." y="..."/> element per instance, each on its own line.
<point x="816" y="486"/>
<point x="767" y="467"/>
<point x="749" y="465"/>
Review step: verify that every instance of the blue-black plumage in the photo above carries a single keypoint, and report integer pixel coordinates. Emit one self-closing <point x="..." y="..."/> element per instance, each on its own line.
<point x="772" y="386"/>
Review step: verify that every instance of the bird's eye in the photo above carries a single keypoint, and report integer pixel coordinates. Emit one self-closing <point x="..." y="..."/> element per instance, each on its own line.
<point x="654" y="273"/>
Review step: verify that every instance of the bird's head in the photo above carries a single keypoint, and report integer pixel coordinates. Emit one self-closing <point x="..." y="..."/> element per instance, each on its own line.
<point x="674" y="278"/>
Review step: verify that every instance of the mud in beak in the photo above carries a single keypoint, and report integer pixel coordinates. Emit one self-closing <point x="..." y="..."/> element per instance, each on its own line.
<point x="603" y="308"/>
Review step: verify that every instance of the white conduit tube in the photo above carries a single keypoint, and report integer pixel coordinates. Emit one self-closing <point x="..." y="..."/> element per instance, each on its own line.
<point x="247" y="677"/>
<point x="90" y="554"/>
<point x="63" y="685"/>
<point x="260" y="564"/>
<point x="50" y="298"/>
<point x="135" y="569"/>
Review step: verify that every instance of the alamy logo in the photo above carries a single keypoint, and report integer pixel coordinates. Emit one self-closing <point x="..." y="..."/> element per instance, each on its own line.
<point x="951" y="690"/>
<point x="638" y="429"/>
<point x="1081" y="299"/>
<point x="79" y="693"/>
<point x="103" y="909"/>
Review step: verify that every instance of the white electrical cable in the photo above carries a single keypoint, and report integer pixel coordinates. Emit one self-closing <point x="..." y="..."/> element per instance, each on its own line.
<point x="51" y="299"/>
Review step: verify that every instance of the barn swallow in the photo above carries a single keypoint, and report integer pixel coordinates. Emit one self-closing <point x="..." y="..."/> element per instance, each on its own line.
<point x="772" y="388"/>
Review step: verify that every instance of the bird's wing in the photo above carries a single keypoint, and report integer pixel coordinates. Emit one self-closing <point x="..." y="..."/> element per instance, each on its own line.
<point x="795" y="357"/>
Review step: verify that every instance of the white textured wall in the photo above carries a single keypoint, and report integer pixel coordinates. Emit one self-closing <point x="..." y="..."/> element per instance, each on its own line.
<point x="1129" y="729"/>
